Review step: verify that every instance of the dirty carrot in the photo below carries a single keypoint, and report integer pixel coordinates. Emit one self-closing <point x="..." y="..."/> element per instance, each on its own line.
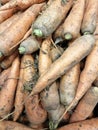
<point x="90" y="17"/>
<point x="51" y="18"/>
<point x="85" y="106"/>
<point x="8" y="91"/>
<point x="18" y="29"/>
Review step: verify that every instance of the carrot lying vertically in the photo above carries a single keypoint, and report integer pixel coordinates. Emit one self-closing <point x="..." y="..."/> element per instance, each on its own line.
<point x="91" y="124"/>
<point x="6" y="14"/>
<point x="21" y="4"/>
<point x="68" y="85"/>
<point x="85" y="106"/>
<point x="72" y="23"/>
<point x="11" y="125"/>
<point x="8" y="60"/>
<point x="19" y="97"/>
<point x="4" y="25"/>
<point x="90" y="17"/>
<point x="18" y="29"/>
<point x="28" y="46"/>
<point x="79" y="49"/>
<point x="50" y="19"/>
<point x="8" y="91"/>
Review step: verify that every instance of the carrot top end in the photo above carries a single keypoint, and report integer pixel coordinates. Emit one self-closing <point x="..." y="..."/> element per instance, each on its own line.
<point x="38" y="32"/>
<point x="1" y="54"/>
<point x="68" y="36"/>
<point x="86" y="33"/>
<point x="21" y="50"/>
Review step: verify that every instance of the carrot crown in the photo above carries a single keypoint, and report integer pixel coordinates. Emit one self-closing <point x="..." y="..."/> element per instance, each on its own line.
<point x="38" y="32"/>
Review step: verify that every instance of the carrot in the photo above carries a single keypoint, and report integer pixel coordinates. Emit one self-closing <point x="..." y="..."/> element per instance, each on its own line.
<point x="68" y="85"/>
<point x="3" y="77"/>
<point x="51" y="18"/>
<point x="79" y="49"/>
<point x="19" y="97"/>
<point x="8" y="91"/>
<point x="4" y="1"/>
<point x="4" y="25"/>
<point x="90" y="17"/>
<point x="8" y="60"/>
<point x="72" y="23"/>
<point x="28" y="46"/>
<point x="85" y="106"/>
<point x="6" y="14"/>
<point x="10" y="125"/>
<point x="91" y="124"/>
<point x="18" y="29"/>
<point x="21" y="4"/>
<point x="96" y="30"/>
<point x="56" y="52"/>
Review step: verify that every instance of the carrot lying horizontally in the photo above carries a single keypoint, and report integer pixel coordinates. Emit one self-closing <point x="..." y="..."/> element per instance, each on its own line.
<point x="19" y="97"/>
<point x="10" y="125"/>
<point x="8" y="91"/>
<point x="72" y="23"/>
<point x="21" y="4"/>
<point x="79" y="49"/>
<point x="8" y="60"/>
<point x="85" y="106"/>
<point x="4" y="25"/>
<point x="50" y="19"/>
<point x="6" y="14"/>
<point x="18" y="29"/>
<point x="90" y="17"/>
<point x="91" y="124"/>
<point x="68" y="85"/>
<point x="30" y="45"/>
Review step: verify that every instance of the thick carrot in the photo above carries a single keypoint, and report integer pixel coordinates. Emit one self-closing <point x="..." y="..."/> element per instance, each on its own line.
<point x="85" y="106"/>
<point x="51" y="18"/>
<point x="68" y="85"/>
<point x="91" y="124"/>
<point x="8" y="91"/>
<point x="3" y="76"/>
<point x="6" y="14"/>
<point x="79" y="49"/>
<point x="19" y="97"/>
<point x="72" y="23"/>
<point x="7" y="62"/>
<point x="90" y="17"/>
<point x="18" y="29"/>
<point x="10" y="125"/>
<point x="30" y="45"/>
<point x="4" y="25"/>
<point x="21" y="4"/>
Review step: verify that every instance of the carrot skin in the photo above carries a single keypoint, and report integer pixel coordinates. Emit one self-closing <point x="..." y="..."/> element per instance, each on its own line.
<point x="51" y="18"/>
<point x="8" y="91"/>
<point x="85" y="106"/>
<point x="61" y="66"/>
<point x="20" y="27"/>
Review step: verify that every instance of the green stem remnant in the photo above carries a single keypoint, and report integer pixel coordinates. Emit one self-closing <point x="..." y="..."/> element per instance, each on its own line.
<point x="86" y="33"/>
<point x="38" y="32"/>
<point x="21" y="50"/>
<point x="68" y="36"/>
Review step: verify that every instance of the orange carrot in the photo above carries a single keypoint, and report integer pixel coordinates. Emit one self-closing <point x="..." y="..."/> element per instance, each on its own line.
<point x="68" y="85"/>
<point x="21" y="4"/>
<point x="8" y="91"/>
<point x="85" y="106"/>
<point x="91" y="124"/>
<point x="30" y="45"/>
<point x="6" y="14"/>
<point x="18" y="29"/>
<point x="8" y="60"/>
<point x="79" y="49"/>
<point x="51" y="18"/>
<point x="72" y="23"/>
<point x="4" y="25"/>
<point x="90" y="17"/>
<point x="10" y="125"/>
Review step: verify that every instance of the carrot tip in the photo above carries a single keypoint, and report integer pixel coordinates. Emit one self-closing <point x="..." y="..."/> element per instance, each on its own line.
<point x="68" y="36"/>
<point x="1" y="54"/>
<point x="86" y="33"/>
<point x="38" y="32"/>
<point x="21" y="50"/>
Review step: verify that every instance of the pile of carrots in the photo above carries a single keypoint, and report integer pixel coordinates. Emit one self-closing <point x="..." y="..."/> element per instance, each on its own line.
<point x="48" y="64"/>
